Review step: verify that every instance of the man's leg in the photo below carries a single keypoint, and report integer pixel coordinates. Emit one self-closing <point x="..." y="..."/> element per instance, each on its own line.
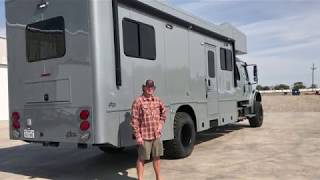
<point x="144" y="152"/>
<point x="157" y="152"/>
<point x="140" y="168"/>
<point x="156" y="167"/>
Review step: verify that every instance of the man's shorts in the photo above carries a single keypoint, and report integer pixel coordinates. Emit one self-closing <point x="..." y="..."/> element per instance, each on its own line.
<point x="150" y="147"/>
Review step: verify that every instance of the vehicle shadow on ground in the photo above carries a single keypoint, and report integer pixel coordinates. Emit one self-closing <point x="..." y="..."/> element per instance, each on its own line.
<point x="218" y="132"/>
<point x="66" y="162"/>
<point x="214" y="133"/>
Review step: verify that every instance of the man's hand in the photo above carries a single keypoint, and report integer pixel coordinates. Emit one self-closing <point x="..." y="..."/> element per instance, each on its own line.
<point x="139" y="141"/>
<point x="159" y="128"/>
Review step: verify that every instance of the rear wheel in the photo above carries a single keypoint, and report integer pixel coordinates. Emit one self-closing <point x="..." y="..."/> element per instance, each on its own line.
<point x="257" y="120"/>
<point x="184" y="137"/>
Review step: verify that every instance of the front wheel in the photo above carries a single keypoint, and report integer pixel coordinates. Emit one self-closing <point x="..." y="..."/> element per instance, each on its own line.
<point x="257" y="120"/>
<point x="184" y="137"/>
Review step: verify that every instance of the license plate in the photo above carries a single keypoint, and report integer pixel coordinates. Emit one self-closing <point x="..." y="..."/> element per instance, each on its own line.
<point x="28" y="133"/>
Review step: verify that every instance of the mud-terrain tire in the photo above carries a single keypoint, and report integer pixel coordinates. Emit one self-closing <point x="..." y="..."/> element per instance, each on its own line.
<point x="257" y="120"/>
<point x="184" y="137"/>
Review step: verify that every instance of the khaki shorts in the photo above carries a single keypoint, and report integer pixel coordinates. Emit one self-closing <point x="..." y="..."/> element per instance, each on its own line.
<point x="152" y="147"/>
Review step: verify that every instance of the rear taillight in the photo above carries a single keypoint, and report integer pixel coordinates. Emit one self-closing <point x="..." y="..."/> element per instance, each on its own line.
<point x="84" y="114"/>
<point x="84" y="125"/>
<point x="15" y="120"/>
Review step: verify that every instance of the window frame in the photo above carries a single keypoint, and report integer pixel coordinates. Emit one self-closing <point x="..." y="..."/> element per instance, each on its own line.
<point x="139" y="24"/>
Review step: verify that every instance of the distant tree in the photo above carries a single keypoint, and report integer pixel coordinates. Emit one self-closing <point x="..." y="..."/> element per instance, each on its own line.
<point x="281" y="87"/>
<point x="262" y="88"/>
<point x="299" y="85"/>
<point x="259" y="87"/>
<point x="266" y="88"/>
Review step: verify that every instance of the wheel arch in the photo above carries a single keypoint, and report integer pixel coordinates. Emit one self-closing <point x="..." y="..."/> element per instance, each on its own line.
<point x="190" y="110"/>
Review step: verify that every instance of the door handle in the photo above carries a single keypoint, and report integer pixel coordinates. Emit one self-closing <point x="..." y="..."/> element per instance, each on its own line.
<point x="209" y="82"/>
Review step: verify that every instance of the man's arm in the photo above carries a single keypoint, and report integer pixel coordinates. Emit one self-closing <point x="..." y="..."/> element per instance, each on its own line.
<point x="135" y="123"/>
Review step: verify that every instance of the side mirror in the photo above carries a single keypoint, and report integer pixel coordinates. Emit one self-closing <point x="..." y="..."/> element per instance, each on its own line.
<point x="255" y="73"/>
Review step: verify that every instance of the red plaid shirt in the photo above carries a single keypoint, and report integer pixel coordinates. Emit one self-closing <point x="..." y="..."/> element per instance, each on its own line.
<point x="147" y="117"/>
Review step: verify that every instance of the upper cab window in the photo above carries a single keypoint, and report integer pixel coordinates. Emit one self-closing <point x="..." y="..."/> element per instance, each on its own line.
<point x="246" y="73"/>
<point x="237" y="73"/>
<point x="138" y="39"/>
<point x="45" y="39"/>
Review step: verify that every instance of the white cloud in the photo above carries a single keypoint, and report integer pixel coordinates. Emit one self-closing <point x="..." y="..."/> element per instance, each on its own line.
<point x="283" y="36"/>
<point x="289" y="29"/>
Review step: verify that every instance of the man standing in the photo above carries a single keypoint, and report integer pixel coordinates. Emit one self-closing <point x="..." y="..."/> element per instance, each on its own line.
<point x="148" y="116"/>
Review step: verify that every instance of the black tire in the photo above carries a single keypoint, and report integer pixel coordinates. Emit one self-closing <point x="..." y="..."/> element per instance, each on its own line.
<point x="257" y="121"/>
<point x="111" y="149"/>
<point x="184" y="137"/>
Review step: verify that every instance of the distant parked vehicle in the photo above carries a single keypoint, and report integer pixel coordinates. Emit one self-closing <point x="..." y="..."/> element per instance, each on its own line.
<point x="295" y="92"/>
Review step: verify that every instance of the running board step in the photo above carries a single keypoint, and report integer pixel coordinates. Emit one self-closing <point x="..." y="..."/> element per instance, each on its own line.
<point x="250" y="115"/>
<point x="244" y="105"/>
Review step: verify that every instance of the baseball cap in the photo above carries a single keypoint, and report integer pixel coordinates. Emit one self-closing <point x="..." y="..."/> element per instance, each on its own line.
<point x="149" y="83"/>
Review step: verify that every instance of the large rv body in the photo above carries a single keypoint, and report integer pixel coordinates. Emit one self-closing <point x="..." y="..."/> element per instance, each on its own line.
<point x="76" y="66"/>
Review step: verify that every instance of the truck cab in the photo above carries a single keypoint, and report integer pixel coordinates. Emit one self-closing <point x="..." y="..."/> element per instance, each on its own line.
<point x="249" y="100"/>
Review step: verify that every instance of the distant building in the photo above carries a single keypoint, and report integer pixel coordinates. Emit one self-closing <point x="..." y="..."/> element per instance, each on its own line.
<point x="4" y="105"/>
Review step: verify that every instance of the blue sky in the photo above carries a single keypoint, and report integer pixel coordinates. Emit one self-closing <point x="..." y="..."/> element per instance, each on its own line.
<point x="283" y="35"/>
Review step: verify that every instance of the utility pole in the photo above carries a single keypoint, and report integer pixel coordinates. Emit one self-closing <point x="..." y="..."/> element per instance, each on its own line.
<point x="313" y="69"/>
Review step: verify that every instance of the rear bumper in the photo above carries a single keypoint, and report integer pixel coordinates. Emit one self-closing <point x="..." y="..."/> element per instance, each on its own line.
<point x="52" y="125"/>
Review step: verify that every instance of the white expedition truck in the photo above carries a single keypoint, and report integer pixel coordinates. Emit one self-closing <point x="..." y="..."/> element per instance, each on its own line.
<point x="76" y="66"/>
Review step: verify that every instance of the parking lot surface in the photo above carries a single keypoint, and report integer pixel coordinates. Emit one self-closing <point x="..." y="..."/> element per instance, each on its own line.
<point x="286" y="147"/>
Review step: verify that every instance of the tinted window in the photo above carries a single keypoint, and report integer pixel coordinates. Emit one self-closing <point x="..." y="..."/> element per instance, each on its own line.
<point x="246" y="72"/>
<point x="223" y="59"/>
<point x="226" y="59"/>
<point x="211" y="65"/>
<point x="229" y="61"/>
<point x="45" y="39"/>
<point x="138" y="39"/>
<point x="147" y="42"/>
<point x="237" y="73"/>
<point x="131" y="38"/>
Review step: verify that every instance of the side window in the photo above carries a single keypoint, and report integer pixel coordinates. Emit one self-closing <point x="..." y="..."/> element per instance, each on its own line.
<point x="138" y="39"/>
<point x="229" y="60"/>
<point x="226" y="60"/>
<point x="237" y="73"/>
<point x="130" y="38"/>
<point x="147" y="42"/>
<point x="211" y="64"/>
<point x="246" y="72"/>
<point x="223" y="59"/>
